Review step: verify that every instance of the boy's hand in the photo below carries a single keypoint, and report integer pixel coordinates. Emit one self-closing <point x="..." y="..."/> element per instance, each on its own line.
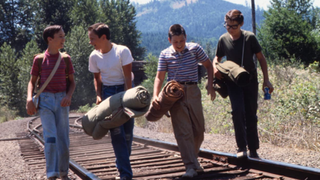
<point x="269" y="85"/>
<point x="31" y="109"/>
<point x="211" y="92"/>
<point x="155" y="104"/>
<point x="217" y="74"/>
<point x="66" y="101"/>
<point x="99" y="100"/>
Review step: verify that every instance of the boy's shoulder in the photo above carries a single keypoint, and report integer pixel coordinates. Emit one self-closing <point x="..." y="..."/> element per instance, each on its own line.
<point x="119" y="47"/>
<point x="41" y="55"/>
<point x="192" y="45"/>
<point x="247" y="33"/>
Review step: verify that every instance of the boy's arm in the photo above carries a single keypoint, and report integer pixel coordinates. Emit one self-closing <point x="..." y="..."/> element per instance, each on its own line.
<point x="31" y="109"/>
<point x="264" y="68"/>
<point x="127" y="76"/>
<point x="97" y="86"/>
<point x="158" y="81"/>
<point x="216" y="73"/>
<point x="66" y="101"/>
<point x="210" y="91"/>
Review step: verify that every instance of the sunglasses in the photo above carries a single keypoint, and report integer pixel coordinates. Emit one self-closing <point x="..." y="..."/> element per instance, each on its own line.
<point x="230" y="26"/>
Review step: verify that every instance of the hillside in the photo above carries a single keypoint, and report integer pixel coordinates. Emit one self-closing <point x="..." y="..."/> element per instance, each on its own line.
<point x="202" y="19"/>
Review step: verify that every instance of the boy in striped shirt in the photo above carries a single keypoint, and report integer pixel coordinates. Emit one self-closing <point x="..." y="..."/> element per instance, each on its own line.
<point x="181" y="60"/>
<point x="54" y="103"/>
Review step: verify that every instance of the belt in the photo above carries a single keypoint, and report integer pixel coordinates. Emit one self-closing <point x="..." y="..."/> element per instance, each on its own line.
<point x="187" y="83"/>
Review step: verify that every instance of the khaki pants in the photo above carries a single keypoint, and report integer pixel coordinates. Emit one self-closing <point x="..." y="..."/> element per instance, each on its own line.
<point x="188" y="125"/>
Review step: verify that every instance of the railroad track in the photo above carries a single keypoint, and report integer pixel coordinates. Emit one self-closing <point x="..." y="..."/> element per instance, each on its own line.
<point x="151" y="159"/>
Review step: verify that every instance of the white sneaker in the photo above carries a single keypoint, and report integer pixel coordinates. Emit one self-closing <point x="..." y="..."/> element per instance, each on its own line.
<point x="242" y="154"/>
<point x="190" y="173"/>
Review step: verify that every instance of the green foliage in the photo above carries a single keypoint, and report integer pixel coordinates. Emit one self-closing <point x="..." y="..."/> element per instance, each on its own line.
<point x="24" y="64"/>
<point x="85" y="108"/>
<point x="50" y="12"/>
<point x="210" y="51"/>
<point x="287" y="31"/>
<point x="15" y="27"/>
<point x="150" y="71"/>
<point x="79" y="49"/>
<point x="14" y="76"/>
<point x="8" y="79"/>
<point x="84" y="13"/>
<point x="314" y="67"/>
<point x="292" y="115"/>
<point x="120" y="17"/>
<point x="6" y="114"/>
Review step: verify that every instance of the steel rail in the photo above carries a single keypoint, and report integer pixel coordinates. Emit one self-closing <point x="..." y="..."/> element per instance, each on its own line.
<point x="273" y="167"/>
<point x="79" y="170"/>
<point x="276" y="169"/>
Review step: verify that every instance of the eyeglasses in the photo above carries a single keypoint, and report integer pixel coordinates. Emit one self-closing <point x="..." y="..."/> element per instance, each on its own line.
<point x="230" y="26"/>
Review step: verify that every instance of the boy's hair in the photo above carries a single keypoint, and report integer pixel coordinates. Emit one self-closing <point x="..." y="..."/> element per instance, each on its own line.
<point x="234" y="15"/>
<point x="176" y="30"/>
<point x="100" y="29"/>
<point x="50" y="31"/>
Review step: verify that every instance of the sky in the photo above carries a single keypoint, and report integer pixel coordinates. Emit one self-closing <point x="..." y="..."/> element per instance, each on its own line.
<point x="261" y="3"/>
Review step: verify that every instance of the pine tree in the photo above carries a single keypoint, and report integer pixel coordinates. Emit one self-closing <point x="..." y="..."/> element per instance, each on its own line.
<point x="25" y="63"/>
<point x="119" y="15"/>
<point x="286" y="31"/>
<point x="9" y="77"/>
<point x="50" y="12"/>
<point x="78" y="47"/>
<point x="15" y="28"/>
<point x="84" y="13"/>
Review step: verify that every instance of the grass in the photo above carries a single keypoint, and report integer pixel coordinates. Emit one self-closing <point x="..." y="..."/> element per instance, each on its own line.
<point x="291" y="118"/>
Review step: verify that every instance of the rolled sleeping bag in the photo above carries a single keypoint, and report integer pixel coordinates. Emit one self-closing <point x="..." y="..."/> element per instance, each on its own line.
<point x="115" y="111"/>
<point x="232" y="71"/>
<point x="170" y="93"/>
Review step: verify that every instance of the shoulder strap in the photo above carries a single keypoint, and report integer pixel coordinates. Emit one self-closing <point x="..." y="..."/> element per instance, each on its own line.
<point x="39" y="60"/>
<point x="65" y="57"/>
<point x="244" y="40"/>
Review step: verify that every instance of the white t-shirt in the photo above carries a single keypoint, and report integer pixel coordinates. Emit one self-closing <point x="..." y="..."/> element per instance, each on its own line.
<point x="110" y="64"/>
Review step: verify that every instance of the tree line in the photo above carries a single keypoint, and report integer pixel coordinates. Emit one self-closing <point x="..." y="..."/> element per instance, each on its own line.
<point x="21" y="26"/>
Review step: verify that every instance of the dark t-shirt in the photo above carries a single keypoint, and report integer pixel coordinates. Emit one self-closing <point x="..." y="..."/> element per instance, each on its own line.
<point x="232" y="49"/>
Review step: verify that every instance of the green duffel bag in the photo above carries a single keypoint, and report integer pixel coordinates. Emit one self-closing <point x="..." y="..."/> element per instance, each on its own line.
<point x="115" y="111"/>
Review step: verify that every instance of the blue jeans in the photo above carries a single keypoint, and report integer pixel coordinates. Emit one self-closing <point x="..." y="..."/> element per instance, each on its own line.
<point x="244" y="113"/>
<point x="55" y="124"/>
<point x="121" y="137"/>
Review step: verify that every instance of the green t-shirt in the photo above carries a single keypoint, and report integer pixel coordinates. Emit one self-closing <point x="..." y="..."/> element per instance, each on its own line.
<point x="232" y="49"/>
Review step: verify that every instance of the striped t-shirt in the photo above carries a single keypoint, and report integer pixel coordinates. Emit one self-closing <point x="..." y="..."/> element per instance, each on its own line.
<point x="182" y="66"/>
<point x="58" y="81"/>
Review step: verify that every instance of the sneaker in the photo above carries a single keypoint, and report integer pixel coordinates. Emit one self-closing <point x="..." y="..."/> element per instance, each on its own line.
<point x="200" y="169"/>
<point x="190" y="173"/>
<point x="52" y="178"/>
<point x="254" y="154"/>
<point x="242" y="154"/>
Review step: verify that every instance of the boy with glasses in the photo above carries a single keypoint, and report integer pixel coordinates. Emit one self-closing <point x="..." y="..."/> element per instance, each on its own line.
<point x="239" y="46"/>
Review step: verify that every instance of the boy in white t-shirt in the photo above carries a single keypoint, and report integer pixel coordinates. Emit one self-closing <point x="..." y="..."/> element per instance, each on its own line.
<point x="111" y="65"/>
